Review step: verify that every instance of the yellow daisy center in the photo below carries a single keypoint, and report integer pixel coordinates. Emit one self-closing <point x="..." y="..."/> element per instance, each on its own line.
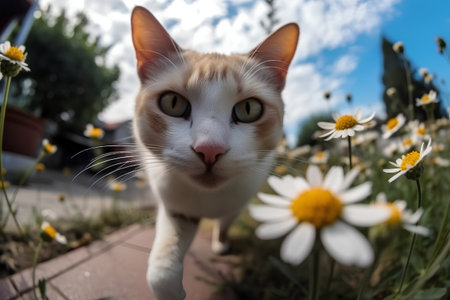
<point x="425" y="98"/>
<point x="317" y="206"/>
<point x="39" y="167"/>
<point x="407" y="142"/>
<point x="14" y="53"/>
<point x="320" y="154"/>
<point x="392" y="123"/>
<point x="345" y="122"/>
<point x="96" y="132"/>
<point x="421" y="131"/>
<point x="396" y="214"/>
<point x="50" y="231"/>
<point x="410" y="160"/>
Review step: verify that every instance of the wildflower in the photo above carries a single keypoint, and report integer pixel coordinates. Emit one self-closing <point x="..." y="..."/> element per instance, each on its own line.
<point x="393" y="125"/>
<point x="314" y="206"/>
<point x="39" y="167"/>
<point x="391" y="91"/>
<point x="93" y="132"/>
<point x="428" y="78"/>
<point x="48" y="147"/>
<point x="345" y="125"/>
<point x="423" y="71"/>
<point x="321" y="157"/>
<point x="441" y="162"/>
<point x="427" y="99"/>
<point x="282" y="147"/>
<point x="418" y="130"/>
<point x="400" y="216"/>
<point x="441" y="44"/>
<point x="117" y="186"/>
<point x="4" y="184"/>
<point x="280" y="169"/>
<point x="409" y="164"/>
<point x="49" y="234"/>
<point x="299" y="151"/>
<point x="12" y="59"/>
<point x="398" y="47"/>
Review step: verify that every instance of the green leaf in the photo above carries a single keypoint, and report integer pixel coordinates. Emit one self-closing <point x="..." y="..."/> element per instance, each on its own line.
<point x="43" y="289"/>
<point x="430" y="294"/>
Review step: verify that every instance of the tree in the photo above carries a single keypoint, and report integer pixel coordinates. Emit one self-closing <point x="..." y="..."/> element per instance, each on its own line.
<point x="69" y="82"/>
<point x="395" y="96"/>
<point x="271" y="21"/>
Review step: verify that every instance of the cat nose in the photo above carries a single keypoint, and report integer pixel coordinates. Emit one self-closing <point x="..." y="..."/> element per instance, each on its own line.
<point x="209" y="153"/>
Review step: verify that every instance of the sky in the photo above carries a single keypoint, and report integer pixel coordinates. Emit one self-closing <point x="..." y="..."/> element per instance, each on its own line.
<point x="339" y="48"/>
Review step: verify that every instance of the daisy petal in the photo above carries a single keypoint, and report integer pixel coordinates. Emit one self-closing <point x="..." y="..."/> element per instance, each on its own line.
<point x="365" y="215"/>
<point x="368" y="118"/>
<point x="328" y="133"/>
<point x="273" y="200"/>
<point x="334" y="178"/>
<point x="347" y="245"/>
<point x="264" y="213"/>
<point x="391" y="170"/>
<point x="396" y="176"/>
<point x="413" y="218"/>
<point x="314" y="175"/>
<point x="349" y="178"/>
<point x="357" y="193"/>
<point x="298" y="244"/>
<point x="417" y="229"/>
<point x="282" y="186"/>
<point x="274" y="230"/>
<point x="326" y="125"/>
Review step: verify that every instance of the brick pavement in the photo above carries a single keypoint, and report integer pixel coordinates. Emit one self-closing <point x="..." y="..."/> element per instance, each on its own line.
<point x="115" y="267"/>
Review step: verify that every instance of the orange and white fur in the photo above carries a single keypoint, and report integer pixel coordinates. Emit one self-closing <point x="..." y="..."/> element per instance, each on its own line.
<point x="207" y="125"/>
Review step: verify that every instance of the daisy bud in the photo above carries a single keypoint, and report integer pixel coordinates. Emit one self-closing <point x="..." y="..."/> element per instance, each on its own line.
<point x="398" y="48"/>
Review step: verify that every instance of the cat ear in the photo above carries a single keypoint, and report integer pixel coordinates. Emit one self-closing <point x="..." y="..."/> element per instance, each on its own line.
<point x="277" y="51"/>
<point x="151" y="41"/>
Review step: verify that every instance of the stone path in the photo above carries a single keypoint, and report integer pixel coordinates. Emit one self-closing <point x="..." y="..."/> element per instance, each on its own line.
<point x="115" y="268"/>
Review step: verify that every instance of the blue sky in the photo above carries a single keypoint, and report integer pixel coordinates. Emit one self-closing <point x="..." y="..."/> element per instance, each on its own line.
<point x="339" y="49"/>
<point x="416" y="23"/>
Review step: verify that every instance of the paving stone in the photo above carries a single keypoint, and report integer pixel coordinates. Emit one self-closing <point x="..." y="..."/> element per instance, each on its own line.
<point x="7" y="291"/>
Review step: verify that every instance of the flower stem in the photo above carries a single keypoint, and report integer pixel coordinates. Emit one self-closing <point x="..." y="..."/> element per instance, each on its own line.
<point x="35" y="261"/>
<point x="413" y="240"/>
<point x="409" y="88"/>
<point x="314" y="273"/>
<point x="350" y="152"/>
<point x="19" y="185"/>
<point x="2" y="127"/>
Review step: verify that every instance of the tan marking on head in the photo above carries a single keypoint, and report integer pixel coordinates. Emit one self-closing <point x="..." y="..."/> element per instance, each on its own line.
<point x="150" y="125"/>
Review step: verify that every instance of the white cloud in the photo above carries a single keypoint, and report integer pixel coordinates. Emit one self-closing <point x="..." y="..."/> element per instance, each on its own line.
<point x="206" y="26"/>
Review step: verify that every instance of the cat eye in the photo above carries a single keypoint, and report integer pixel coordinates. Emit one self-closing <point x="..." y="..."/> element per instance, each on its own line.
<point x="174" y="105"/>
<point x="247" y="111"/>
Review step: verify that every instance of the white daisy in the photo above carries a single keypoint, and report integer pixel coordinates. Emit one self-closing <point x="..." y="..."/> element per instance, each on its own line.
<point x="408" y="162"/>
<point x="398" y="47"/>
<point x="319" y="206"/>
<point x="345" y="125"/>
<point x="427" y="99"/>
<point x="50" y="233"/>
<point x="93" y="132"/>
<point x="402" y="216"/>
<point x="418" y="130"/>
<point x="393" y="125"/>
<point x="321" y="157"/>
<point x="14" y="55"/>
<point x="48" y="147"/>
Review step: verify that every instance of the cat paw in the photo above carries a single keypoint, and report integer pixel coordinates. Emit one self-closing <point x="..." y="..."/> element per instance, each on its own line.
<point x="166" y="284"/>
<point x="220" y="248"/>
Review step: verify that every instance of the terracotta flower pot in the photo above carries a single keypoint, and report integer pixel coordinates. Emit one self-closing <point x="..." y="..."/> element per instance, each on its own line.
<point x="23" y="132"/>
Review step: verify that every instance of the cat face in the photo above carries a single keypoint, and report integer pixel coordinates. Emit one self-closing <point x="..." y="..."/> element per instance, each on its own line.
<point x="209" y="117"/>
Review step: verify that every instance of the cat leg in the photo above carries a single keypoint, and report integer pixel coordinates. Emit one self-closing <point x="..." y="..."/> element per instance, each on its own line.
<point x="174" y="234"/>
<point x="220" y="243"/>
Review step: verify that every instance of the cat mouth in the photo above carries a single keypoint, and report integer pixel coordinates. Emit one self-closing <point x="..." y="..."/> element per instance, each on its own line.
<point x="209" y="179"/>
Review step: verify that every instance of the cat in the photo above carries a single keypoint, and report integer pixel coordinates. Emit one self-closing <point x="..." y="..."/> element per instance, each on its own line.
<point x="207" y="125"/>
